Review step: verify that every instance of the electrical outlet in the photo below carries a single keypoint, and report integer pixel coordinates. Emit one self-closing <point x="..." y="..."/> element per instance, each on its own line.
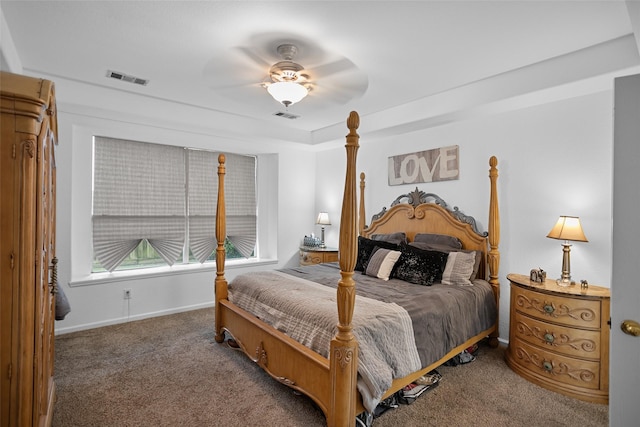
<point x="127" y="294"/>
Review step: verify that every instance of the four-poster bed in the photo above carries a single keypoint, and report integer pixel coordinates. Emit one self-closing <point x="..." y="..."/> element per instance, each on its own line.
<point x="330" y="373"/>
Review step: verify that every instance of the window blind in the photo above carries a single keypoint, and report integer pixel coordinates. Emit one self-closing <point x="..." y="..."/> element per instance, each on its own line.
<point x="158" y="193"/>
<point x="202" y="192"/>
<point x="240" y="198"/>
<point x="138" y="194"/>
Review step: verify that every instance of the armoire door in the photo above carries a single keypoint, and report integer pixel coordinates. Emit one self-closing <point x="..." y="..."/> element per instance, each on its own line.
<point x="45" y="275"/>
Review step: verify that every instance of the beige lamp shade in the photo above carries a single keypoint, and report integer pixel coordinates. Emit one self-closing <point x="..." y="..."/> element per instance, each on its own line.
<point x="568" y="228"/>
<point x="323" y="219"/>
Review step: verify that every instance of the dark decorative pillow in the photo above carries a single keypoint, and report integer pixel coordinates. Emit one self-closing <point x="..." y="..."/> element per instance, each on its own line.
<point x="439" y="239"/>
<point x="381" y="263"/>
<point x="422" y="267"/>
<point x="397" y="238"/>
<point x="365" y="249"/>
<point x="445" y="248"/>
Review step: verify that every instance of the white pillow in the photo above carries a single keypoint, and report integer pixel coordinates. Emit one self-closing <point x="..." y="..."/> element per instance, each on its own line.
<point x="459" y="268"/>
<point x="381" y="263"/>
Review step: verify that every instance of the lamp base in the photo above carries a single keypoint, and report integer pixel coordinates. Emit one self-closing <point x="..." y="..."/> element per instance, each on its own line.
<point x="565" y="277"/>
<point x="565" y="282"/>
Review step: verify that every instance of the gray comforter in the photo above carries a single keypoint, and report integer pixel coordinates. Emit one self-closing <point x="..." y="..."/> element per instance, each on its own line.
<point x="400" y="327"/>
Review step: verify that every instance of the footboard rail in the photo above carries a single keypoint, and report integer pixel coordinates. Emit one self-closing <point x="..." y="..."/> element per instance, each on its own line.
<point x="283" y="358"/>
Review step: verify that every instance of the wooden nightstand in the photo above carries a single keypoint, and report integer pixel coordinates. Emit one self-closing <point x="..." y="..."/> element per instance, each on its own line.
<point x="317" y="255"/>
<point x="559" y="337"/>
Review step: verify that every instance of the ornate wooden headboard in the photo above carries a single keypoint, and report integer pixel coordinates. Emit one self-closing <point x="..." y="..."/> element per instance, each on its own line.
<point x="420" y="212"/>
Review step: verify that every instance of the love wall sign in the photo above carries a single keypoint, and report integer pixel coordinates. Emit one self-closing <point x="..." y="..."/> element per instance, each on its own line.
<point x="438" y="164"/>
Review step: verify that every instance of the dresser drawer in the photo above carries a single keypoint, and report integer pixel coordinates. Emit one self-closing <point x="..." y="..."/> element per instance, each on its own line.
<point x="319" y="256"/>
<point x="553" y="368"/>
<point x="331" y="256"/>
<point x="308" y="258"/>
<point x="560" y="339"/>
<point x="583" y="313"/>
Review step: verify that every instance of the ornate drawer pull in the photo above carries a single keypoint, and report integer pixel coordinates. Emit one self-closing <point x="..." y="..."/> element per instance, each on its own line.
<point x="548" y="337"/>
<point x="547" y="366"/>
<point x="548" y="308"/>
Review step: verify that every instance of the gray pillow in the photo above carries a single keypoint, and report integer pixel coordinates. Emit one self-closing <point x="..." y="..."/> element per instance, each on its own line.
<point x="365" y="249"/>
<point x="439" y="239"/>
<point x="396" y="238"/>
<point x="381" y="263"/>
<point x="447" y="249"/>
<point x="458" y="269"/>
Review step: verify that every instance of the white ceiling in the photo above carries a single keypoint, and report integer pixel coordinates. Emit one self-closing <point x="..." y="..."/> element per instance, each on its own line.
<point x="373" y="56"/>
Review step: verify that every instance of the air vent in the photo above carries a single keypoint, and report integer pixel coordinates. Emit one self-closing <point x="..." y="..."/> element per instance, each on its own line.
<point x="127" y="78"/>
<point x="286" y="115"/>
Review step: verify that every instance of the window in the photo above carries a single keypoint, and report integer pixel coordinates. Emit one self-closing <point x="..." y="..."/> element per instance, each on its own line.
<point x="156" y="204"/>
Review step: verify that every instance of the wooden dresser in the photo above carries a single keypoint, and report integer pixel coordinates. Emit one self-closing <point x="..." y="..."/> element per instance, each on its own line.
<point x="27" y="248"/>
<point x="559" y="337"/>
<point x="317" y="255"/>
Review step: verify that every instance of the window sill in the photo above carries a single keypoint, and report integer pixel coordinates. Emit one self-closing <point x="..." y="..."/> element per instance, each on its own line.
<point x="118" y="276"/>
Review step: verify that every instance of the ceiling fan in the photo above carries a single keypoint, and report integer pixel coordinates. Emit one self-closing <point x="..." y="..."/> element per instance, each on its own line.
<point x="273" y="61"/>
<point x="289" y="83"/>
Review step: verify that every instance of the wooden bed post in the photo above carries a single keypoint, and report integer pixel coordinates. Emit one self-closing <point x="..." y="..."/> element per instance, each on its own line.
<point x="494" y="240"/>
<point x="221" y="234"/>
<point x="343" y="355"/>
<point x="361" y="215"/>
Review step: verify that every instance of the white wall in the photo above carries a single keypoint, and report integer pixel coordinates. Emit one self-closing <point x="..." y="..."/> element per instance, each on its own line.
<point x="289" y="210"/>
<point x="554" y="159"/>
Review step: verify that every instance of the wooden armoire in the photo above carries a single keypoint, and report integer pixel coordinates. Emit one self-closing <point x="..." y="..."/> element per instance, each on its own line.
<point x="28" y="276"/>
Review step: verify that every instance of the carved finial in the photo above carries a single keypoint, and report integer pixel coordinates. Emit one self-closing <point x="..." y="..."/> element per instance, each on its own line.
<point x="493" y="161"/>
<point x="353" y="122"/>
<point x="361" y="176"/>
<point x="221" y="158"/>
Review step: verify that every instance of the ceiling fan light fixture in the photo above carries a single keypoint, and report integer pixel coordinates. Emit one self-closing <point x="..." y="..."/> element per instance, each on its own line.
<point x="287" y="92"/>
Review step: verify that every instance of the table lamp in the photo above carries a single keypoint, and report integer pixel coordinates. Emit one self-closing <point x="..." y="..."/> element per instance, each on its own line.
<point x="567" y="228"/>
<point x="323" y="219"/>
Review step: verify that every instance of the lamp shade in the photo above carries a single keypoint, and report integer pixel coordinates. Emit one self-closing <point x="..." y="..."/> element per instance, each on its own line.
<point x="568" y="228"/>
<point x="287" y="93"/>
<point x="323" y="219"/>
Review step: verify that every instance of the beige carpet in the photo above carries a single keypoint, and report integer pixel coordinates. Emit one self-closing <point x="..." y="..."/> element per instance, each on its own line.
<point x="169" y="371"/>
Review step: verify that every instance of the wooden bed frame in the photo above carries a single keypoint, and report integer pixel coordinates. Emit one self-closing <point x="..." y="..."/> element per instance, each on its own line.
<point x="331" y="383"/>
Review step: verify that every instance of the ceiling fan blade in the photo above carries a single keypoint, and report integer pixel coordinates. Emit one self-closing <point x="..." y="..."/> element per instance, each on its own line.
<point x="335" y="67"/>
<point x="341" y="91"/>
<point x="232" y="72"/>
<point x="257" y="59"/>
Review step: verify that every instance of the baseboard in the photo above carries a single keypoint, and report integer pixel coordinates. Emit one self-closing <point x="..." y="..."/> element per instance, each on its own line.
<point x="86" y="326"/>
